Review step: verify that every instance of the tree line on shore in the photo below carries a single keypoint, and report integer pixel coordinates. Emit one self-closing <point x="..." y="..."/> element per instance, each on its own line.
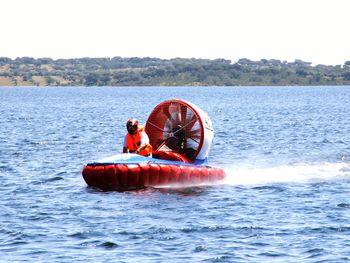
<point x="119" y="71"/>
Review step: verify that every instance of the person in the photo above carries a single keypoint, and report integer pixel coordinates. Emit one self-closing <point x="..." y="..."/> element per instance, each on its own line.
<point x="136" y="140"/>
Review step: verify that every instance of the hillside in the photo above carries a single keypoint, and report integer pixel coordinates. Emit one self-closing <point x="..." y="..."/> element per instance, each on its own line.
<point x="118" y="71"/>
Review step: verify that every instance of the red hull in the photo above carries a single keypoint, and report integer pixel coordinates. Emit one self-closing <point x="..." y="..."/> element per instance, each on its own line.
<point x="136" y="176"/>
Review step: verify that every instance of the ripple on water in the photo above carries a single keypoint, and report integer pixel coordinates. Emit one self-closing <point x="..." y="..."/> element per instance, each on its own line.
<point x="344" y="205"/>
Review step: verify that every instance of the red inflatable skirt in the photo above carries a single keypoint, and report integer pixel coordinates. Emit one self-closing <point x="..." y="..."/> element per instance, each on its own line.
<point x="136" y="176"/>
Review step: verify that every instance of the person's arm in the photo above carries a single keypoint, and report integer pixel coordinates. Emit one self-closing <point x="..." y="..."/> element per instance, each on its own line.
<point x="125" y="148"/>
<point x="143" y="143"/>
<point x="142" y="146"/>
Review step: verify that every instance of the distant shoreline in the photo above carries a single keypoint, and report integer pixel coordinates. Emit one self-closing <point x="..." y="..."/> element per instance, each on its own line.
<point x="124" y="72"/>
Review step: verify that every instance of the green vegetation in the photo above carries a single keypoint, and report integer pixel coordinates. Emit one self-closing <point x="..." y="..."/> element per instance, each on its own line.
<point x="120" y="71"/>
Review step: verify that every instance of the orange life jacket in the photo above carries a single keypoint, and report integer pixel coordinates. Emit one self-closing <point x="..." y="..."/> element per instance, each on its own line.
<point x="133" y="142"/>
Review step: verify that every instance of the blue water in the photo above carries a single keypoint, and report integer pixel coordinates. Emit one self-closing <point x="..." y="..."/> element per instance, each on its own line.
<point x="286" y="151"/>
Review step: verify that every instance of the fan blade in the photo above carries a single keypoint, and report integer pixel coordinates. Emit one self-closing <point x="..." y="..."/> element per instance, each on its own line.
<point x="192" y="122"/>
<point x="194" y="132"/>
<point x="190" y="138"/>
<point x="170" y="115"/>
<point x="183" y="110"/>
<point x="165" y="111"/>
<point x="198" y="137"/>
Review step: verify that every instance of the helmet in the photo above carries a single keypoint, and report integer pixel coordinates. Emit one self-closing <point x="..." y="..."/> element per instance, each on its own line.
<point x="132" y="125"/>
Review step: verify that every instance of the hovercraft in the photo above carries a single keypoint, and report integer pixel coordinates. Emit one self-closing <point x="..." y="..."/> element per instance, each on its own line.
<point x="181" y="135"/>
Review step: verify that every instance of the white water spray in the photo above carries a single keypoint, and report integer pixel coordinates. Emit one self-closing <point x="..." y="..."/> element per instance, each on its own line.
<point x="298" y="173"/>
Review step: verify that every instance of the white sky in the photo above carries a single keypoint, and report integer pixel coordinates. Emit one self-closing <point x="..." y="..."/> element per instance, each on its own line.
<point x="312" y="30"/>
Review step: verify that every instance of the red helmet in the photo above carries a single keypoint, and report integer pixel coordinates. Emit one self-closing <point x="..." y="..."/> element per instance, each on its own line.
<point x="132" y="125"/>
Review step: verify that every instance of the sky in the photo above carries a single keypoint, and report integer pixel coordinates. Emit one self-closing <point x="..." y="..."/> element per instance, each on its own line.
<point x="314" y="31"/>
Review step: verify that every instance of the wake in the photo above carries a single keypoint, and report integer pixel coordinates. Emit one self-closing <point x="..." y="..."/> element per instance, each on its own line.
<point x="298" y="173"/>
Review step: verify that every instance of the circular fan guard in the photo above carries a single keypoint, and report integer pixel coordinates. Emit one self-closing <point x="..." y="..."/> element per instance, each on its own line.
<point x="177" y="126"/>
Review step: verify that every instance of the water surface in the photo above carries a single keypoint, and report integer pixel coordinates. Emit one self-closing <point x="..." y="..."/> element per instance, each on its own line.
<point x="286" y="151"/>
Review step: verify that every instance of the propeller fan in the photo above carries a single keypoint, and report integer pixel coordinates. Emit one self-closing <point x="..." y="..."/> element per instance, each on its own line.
<point x="177" y="126"/>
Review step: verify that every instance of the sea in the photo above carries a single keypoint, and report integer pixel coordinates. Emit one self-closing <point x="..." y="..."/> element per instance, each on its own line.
<point x="286" y="196"/>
